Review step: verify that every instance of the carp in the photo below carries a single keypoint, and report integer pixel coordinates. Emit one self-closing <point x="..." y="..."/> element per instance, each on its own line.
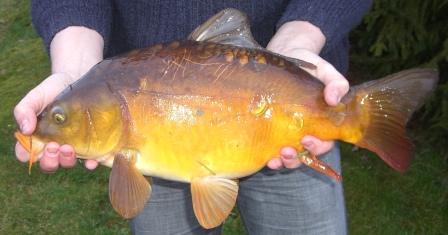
<point x="215" y="108"/>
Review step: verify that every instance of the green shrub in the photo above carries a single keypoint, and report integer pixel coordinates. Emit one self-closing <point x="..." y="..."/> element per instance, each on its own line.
<point x="401" y="34"/>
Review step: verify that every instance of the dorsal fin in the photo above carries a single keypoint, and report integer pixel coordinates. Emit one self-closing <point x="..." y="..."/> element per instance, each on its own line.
<point x="230" y="26"/>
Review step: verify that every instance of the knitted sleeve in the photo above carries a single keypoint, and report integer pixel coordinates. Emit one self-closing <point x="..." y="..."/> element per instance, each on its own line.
<point x="51" y="16"/>
<point x="335" y="18"/>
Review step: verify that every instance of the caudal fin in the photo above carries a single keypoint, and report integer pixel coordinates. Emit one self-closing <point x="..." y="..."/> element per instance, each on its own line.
<point x="388" y="103"/>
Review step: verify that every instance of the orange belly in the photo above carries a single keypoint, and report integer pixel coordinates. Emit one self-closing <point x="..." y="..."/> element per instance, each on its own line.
<point x="182" y="137"/>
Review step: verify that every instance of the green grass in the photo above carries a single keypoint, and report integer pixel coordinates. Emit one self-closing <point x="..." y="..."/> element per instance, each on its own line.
<point x="381" y="201"/>
<point x="75" y="201"/>
<point x="70" y="201"/>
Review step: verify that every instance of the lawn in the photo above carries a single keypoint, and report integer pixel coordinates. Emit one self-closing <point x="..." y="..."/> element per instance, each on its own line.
<point x="75" y="201"/>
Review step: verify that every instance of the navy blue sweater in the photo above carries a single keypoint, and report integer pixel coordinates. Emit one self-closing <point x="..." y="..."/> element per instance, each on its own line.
<point x="129" y="24"/>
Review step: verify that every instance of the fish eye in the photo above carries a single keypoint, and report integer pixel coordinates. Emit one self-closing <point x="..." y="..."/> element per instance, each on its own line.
<point x="58" y="116"/>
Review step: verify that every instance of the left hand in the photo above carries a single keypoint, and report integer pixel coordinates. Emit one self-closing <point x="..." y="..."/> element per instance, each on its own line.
<point x="304" y="41"/>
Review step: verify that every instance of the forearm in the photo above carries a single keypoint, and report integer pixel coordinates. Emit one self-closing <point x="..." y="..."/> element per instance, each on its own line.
<point x="75" y="49"/>
<point x="75" y="32"/>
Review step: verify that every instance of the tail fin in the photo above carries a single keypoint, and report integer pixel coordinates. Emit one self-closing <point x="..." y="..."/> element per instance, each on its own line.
<point x="389" y="103"/>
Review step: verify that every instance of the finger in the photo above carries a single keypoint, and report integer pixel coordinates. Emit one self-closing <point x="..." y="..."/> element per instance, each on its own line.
<point x="27" y="109"/>
<point x="288" y="155"/>
<point x="37" y="99"/>
<point x="275" y="163"/>
<point x="49" y="162"/>
<point x="316" y="146"/>
<point x="335" y="90"/>
<point x="91" y="164"/>
<point x="288" y="151"/>
<point x="336" y="86"/>
<point x="23" y="155"/>
<point x="25" y="116"/>
<point x="67" y="157"/>
<point x="290" y="162"/>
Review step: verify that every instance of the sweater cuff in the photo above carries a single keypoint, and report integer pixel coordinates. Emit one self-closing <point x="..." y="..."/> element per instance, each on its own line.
<point x="50" y="20"/>
<point x="335" y="18"/>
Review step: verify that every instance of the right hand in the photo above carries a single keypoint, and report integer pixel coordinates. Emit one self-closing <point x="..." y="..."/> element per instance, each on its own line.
<point x="73" y="51"/>
<point x="25" y="113"/>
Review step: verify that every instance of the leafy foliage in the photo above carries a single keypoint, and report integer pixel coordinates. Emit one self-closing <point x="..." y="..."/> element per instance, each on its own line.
<point x="401" y="34"/>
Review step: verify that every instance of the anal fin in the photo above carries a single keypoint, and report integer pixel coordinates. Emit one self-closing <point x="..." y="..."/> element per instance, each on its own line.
<point x="128" y="188"/>
<point x="213" y="199"/>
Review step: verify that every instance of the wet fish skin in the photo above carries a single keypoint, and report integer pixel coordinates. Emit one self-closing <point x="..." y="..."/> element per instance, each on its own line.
<point x="194" y="98"/>
<point x="215" y="108"/>
<point x="195" y="85"/>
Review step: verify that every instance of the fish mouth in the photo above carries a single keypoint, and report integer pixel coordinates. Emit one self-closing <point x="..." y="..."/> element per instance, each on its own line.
<point x="31" y="144"/>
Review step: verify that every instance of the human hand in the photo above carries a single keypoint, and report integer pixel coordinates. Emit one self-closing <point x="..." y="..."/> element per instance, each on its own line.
<point x="304" y="41"/>
<point x="73" y="51"/>
<point x="25" y="113"/>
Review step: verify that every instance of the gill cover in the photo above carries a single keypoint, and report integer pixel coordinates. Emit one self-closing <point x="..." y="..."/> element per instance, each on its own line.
<point x="87" y="115"/>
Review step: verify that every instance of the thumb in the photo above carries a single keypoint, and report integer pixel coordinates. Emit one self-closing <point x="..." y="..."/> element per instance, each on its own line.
<point x="335" y="90"/>
<point x="25" y="113"/>
<point x="37" y="99"/>
<point x="336" y="86"/>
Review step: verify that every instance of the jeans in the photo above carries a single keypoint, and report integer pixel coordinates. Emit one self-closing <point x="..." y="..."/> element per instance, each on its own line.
<point x="297" y="201"/>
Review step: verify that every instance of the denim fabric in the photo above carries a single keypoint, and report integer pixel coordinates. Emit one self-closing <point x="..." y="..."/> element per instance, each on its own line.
<point x="298" y="201"/>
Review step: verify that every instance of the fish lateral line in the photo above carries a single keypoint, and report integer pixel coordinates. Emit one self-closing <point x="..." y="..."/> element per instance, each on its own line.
<point x="206" y="167"/>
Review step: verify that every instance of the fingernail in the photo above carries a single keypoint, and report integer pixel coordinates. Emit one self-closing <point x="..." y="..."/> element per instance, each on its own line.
<point x="336" y="97"/>
<point x="307" y="144"/>
<point x="65" y="154"/>
<point x="90" y="165"/>
<point x="24" y="125"/>
<point x="289" y="156"/>
<point x="52" y="150"/>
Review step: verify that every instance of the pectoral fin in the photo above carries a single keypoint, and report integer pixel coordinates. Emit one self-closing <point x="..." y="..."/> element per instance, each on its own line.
<point x="128" y="188"/>
<point x="213" y="199"/>
<point x="318" y="165"/>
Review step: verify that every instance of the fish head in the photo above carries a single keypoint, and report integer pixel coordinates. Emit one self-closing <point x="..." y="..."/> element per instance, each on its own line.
<point x="88" y="116"/>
